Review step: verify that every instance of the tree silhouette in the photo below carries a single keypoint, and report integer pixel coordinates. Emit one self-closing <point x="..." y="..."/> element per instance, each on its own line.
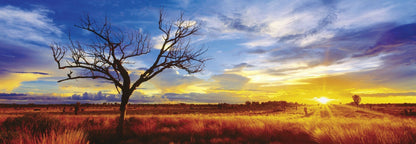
<point x="357" y="99"/>
<point x="106" y="55"/>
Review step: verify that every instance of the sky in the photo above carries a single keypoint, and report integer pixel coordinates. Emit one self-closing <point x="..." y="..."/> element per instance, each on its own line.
<point x="283" y="50"/>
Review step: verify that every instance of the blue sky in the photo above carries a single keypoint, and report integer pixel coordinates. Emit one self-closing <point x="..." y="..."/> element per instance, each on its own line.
<point x="261" y="51"/>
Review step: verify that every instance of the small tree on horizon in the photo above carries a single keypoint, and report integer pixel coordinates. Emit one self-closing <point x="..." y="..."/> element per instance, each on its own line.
<point x="106" y="55"/>
<point x="357" y="99"/>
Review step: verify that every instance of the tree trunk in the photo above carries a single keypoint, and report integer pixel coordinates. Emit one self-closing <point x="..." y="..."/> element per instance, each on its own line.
<point x="123" y="109"/>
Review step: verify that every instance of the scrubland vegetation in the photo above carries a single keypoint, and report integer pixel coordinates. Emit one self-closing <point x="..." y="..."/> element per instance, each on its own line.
<point x="344" y="124"/>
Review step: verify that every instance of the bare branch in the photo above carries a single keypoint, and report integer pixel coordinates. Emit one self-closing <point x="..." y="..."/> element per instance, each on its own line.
<point x="105" y="56"/>
<point x="80" y="77"/>
<point x="175" y="50"/>
<point x="58" y="53"/>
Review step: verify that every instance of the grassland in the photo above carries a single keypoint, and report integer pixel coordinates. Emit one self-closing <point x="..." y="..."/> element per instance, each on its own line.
<point x="165" y="124"/>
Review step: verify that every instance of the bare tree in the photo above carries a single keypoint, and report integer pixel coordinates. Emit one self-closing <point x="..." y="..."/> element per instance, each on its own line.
<point x="357" y="99"/>
<point x="106" y="55"/>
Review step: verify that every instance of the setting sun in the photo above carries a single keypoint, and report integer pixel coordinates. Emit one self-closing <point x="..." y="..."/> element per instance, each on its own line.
<point x="323" y="100"/>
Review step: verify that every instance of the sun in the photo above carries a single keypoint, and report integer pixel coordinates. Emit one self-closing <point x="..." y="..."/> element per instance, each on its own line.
<point x="322" y="100"/>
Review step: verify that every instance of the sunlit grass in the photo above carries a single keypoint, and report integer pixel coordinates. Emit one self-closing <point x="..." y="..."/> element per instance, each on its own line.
<point x="288" y="127"/>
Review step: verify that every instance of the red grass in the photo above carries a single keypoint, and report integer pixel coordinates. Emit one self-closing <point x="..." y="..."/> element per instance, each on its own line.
<point x="341" y="125"/>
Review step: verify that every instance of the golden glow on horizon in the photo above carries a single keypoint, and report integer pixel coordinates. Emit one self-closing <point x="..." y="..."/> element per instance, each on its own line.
<point x="375" y="91"/>
<point x="323" y="100"/>
<point x="339" y="88"/>
<point x="14" y="80"/>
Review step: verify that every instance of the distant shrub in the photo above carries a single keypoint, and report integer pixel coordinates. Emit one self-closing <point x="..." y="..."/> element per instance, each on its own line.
<point x="357" y="99"/>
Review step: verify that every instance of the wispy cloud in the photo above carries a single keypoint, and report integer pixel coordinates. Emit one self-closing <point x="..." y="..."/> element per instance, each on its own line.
<point x="23" y="44"/>
<point x="41" y="73"/>
<point x="28" y="25"/>
<point x="392" y="39"/>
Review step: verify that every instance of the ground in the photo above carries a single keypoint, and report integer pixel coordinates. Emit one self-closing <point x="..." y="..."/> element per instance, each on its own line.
<point x="222" y="123"/>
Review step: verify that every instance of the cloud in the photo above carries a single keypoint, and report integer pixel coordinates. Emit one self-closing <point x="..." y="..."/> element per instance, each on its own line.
<point x="86" y="97"/>
<point x="89" y="85"/>
<point x="392" y="39"/>
<point x="25" y="98"/>
<point x="389" y="94"/>
<point x="98" y="96"/>
<point x="10" y="81"/>
<point x="23" y="41"/>
<point x="262" y="42"/>
<point x="239" y="67"/>
<point x="157" y="42"/>
<point x="21" y="59"/>
<point x="395" y="76"/>
<point x="356" y="14"/>
<point x="204" y="98"/>
<point x="292" y="72"/>
<point x="230" y="81"/>
<point x="41" y="73"/>
<point x="170" y="80"/>
<point x="236" y="22"/>
<point x="32" y="26"/>
<point x="299" y="23"/>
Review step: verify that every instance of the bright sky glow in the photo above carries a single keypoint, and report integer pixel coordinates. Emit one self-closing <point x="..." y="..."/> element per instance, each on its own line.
<point x="323" y="100"/>
<point x="261" y="50"/>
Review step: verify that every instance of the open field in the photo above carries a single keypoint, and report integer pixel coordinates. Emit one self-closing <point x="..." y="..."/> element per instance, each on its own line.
<point x="208" y="124"/>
